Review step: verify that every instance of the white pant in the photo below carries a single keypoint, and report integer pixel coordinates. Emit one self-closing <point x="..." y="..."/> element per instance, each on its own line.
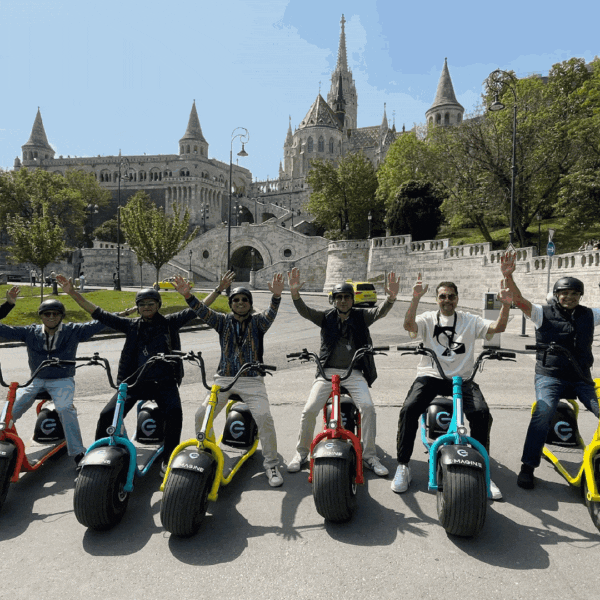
<point x="320" y="391"/>
<point x="62" y="392"/>
<point x="253" y="392"/>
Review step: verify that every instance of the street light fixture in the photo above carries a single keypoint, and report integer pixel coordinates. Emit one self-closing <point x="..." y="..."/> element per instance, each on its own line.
<point x="244" y="137"/>
<point x="123" y="166"/>
<point x="370" y="219"/>
<point x="190" y="273"/>
<point x="496" y="81"/>
<point x="539" y="220"/>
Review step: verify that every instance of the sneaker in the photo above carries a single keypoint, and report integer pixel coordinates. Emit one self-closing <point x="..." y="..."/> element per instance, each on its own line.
<point x="401" y="479"/>
<point x="495" y="490"/>
<point x="375" y="466"/>
<point x="525" y="478"/>
<point x="163" y="470"/>
<point x="274" y="477"/>
<point x="296" y="463"/>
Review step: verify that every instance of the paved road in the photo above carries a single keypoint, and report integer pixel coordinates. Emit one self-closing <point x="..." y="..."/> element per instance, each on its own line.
<point x="267" y="543"/>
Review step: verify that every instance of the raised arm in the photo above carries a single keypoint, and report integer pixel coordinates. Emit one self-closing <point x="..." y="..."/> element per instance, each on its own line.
<point x="68" y="288"/>
<point x="419" y="290"/>
<point x="294" y="283"/>
<point x="508" y="263"/>
<point x="12" y="294"/>
<point x="499" y="325"/>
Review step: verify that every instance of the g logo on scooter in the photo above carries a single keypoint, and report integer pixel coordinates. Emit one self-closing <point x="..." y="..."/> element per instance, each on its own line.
<point x="563" y="430"/>
<point x="462" y="453"/>
<point x="48" y="426"/>
<point x="237" y="429"/>
<point x="443" y="420"/>
<point x="148" y="427"/>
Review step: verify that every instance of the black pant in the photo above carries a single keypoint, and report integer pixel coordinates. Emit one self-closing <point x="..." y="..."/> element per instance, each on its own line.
<point x="166" y="396"/>
<point x="420" y="396"/>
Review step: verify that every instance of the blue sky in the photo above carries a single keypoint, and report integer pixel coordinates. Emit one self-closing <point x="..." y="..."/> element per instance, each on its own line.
<point x="122" y="75"/>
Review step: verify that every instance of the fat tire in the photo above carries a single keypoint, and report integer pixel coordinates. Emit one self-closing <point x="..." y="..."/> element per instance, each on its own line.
<point x="99" y="500"/>
<point x="462" y="501"/>
<point x="334" y="488"/>
<point x="7" y="466"/>
<point x="593" y="507"/>
<point x="185" y="500"/>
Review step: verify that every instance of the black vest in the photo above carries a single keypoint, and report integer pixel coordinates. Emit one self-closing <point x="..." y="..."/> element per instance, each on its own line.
<point x="571" y="330"/>
<point x="330" y="334"/>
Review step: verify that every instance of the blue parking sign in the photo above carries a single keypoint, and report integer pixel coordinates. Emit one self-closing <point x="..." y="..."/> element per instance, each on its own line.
<point x="550" y="249"/>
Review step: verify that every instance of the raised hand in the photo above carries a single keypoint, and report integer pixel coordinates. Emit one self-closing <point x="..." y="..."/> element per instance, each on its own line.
<point x="65" y="284"/>
<point x="419" y="290"/>
<point x="392" y="287"/>
<point x="226" y="280"/>
<point x="276" y="286"/>
<point x="505" y="295"/>
<point x="508" y="263"/>
<point x="11" y="295"/>
<point x="294" y="280"/>
<point x="182" y="286"/>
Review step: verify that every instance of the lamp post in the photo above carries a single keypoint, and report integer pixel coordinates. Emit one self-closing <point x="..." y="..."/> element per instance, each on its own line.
<point x="190" y="271"/>
<point x="204" y="211"/>
<point x="370" y="219"/>
<point x="123" y="165"/>
<point x="496" y="82"/>
<point x="244" y="137"/>
<point x="539" y="220"/>
<point x="252" y="252"/>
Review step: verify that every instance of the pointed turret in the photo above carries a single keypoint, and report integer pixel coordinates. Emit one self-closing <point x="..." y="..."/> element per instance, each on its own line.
<point x="193" y="141"/>
<point x="340" y="104"/>
<point x="37" y="147"/>
<point x="383" y="128"/>
<point x="289" y="138"/>
<point x="445" y="109"/>
<point x="342" y="60"/>
<point x="319" y="115"/>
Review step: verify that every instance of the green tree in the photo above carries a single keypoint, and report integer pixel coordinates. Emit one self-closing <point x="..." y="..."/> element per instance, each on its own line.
<point x="35" y="240"/>
<point x="107" y="232"/>
<point x="344" y="195"/>
<point x="416" y="210"/>
<point x="24" y="192"/>
<point x="155" y="237"/>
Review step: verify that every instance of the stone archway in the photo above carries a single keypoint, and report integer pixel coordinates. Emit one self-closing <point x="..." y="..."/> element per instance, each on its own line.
<point x="243" y="261"/>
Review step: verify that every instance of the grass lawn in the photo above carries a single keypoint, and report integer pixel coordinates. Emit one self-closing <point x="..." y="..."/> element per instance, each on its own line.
<point x="25" y="311"/>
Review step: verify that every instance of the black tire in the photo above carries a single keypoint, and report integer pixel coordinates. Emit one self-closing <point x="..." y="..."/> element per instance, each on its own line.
<point x="593" y="507"/>
<point x="334" y="488"/>
<point x="185" y="500"/>
<point x="7" y="466"/>
<point x="100" y="501"/>
<point x="462" y="501"/>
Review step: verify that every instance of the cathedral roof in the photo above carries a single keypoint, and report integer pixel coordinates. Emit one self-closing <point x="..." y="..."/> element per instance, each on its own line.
<point x="193" y="131"/>
<point x="445" y="90"/>
<point x="319" y="115"/>
<point x="38" y="134"/>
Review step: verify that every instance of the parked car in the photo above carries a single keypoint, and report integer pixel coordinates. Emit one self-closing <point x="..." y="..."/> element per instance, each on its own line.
<point x="167" y="284"/>
<point x="364" y="292"/>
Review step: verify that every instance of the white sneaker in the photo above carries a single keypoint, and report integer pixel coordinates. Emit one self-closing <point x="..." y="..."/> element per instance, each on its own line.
<point x="274" y="477"/>
<point x="495" y="490"/>
<point x="401" y="479"/>
<point x="296" y="463"/>
<point x="375" y="466"/>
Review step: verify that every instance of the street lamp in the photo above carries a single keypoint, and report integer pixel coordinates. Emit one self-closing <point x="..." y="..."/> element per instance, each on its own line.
<point x="204" y="211"/>
<point x="190" y="273"/>
<point x="539" y="220"/>
<point x="252" y="252"/>
<point x="496" y="82"/>
<point x="123" y="165"/>
<point x="370" y="218"/>
<point x="244" y="137"/>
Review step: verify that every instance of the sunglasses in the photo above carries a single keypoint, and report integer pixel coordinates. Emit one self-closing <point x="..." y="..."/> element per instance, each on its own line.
<point x="447" y="296"/>
<point x="51" y="313"/>
<point x="241" y="299"/>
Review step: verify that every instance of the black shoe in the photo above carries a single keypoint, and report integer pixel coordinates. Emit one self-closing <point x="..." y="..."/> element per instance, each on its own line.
<point x="525" y="478"/>
<point x="79" y="458"/>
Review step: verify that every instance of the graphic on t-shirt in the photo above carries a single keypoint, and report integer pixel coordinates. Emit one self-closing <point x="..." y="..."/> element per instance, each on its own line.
<point x="451" y="346"/>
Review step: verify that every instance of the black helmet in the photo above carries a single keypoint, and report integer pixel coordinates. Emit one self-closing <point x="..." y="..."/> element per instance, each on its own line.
<point x="568" y="283"/>
<point x="51" y="304"/>
<point x="148" y="294"/>
<point x="240" y="290"/>
<point x="341" y="288"/>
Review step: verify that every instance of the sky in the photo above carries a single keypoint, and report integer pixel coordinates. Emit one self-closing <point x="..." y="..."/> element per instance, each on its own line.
<point x="122" y="75"/>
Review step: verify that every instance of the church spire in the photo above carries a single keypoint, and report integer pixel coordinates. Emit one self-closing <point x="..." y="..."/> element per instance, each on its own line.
<point x="289" y="139"/>
<point x="342" y="61"/>
<point x="445" y="110"/>
<point x="384" y="122"/>
<point x="37" y="146"/>
<point x="193" y="141"/>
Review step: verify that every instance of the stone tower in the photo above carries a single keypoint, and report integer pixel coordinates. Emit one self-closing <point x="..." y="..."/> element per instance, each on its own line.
<point x="193" y="143"/>
<point x="348" y="92"/>
<point x="37" y="147"/>
<point x="445" y="109"/>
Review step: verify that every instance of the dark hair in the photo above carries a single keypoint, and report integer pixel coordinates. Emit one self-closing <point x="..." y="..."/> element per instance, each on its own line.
<point x="449" y="284"/>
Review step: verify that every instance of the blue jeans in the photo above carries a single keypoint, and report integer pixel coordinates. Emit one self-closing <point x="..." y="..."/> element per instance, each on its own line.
<point x="548" y="392"/>
<point x="62" y="392"/>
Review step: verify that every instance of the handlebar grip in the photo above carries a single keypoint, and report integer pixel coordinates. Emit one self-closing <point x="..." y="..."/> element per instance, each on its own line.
<point x="507" y="354"/>
<point x="381" y="348"/>
<point x="531" y="346"/>
<point x="269" y="367"/>
<point x="294" y="354"/>
<point x="406" y="348"/>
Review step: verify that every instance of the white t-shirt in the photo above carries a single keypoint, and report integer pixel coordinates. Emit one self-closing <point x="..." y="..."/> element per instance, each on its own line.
<point x="455" y="350"/>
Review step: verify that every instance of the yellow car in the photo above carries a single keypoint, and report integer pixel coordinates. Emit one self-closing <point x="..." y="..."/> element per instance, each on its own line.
<point x="364" y="292"/>
<point x="167" y="284"/>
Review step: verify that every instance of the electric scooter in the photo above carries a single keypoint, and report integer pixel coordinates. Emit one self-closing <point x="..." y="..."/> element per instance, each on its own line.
<point x="336" y="465"/>
<point x="197" y="468"/>
<point x="564" y="439"/>
<point x="459" y="466"/>
<point x="110" y="465"/>
<point x="48" y="432"/>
